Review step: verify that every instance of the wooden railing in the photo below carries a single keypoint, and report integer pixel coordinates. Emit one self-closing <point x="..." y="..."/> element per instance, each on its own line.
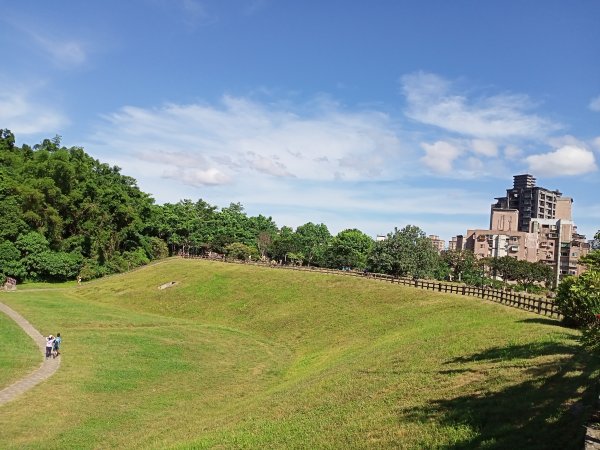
<point x="532" y="303"/>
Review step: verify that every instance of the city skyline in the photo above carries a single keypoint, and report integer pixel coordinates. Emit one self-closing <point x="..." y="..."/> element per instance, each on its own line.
<point x="357" y="116"/>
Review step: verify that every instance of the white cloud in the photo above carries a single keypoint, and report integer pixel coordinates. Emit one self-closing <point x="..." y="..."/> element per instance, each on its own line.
<point x="485" y="148"/>
<point x="595" y="104"/>
<point x="243" y="137"/>
<point x="440" y="155"/>
<point x="197" y="177"/>
<point x="567" y="160"/>
<point x="432" y="101"/>
<point x="24" y="116"/>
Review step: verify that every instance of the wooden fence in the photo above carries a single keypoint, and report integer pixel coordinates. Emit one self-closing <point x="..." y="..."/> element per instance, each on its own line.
<point x="532" y="303"/>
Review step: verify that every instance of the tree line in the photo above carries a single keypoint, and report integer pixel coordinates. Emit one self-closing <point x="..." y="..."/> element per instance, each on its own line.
<point x="65" y="214"/>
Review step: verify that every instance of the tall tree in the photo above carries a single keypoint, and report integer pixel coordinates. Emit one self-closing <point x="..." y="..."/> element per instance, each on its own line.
<point x="405" y="252"/>
<point x="313" y="241"/>
<point x="349" y="248"/>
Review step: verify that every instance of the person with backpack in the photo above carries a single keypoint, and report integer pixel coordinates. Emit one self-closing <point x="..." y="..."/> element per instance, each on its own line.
<point x="56" y="345"/>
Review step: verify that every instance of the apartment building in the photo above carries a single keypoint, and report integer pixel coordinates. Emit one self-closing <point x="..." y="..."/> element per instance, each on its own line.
<point x="439" y="244"/>
<point x="531" y="201"/>
<point x="531" y="224"/>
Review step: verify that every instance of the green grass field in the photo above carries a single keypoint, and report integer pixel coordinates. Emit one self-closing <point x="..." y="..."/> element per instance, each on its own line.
<point x="19" y="354"/>
<point x="244" y="357"/>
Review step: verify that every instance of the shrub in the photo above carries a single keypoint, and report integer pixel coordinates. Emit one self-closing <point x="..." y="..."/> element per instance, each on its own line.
<point x="135" y="258"/>
<point x="91" y="269"/>
<point x="578" y="298"/>
<point x="241" y="251"/>
<point x="55" y="266"/>
<point x="157" y="248"/>
<point x="591" y="335"/>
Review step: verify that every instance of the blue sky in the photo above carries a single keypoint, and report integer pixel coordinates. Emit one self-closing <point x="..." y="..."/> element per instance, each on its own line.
<point x="355" y="114"/>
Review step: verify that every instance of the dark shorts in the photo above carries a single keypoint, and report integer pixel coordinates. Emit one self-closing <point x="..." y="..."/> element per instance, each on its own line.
<point x="48" y="351"/>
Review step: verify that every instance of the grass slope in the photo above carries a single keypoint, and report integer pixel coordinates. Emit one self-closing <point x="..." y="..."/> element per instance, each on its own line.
<point x="245" y="357"/>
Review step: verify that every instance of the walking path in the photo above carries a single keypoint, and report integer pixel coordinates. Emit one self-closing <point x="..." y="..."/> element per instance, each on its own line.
<point x="47" y="369"/>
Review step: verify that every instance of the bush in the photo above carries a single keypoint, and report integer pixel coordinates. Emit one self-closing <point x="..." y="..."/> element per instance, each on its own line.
<point x="241" y="251"/>
<point x="91" y="269"/>
<point x="578" y="298"/>
<point x="55" y="266"/>
<point x="135" y="258"/>
<point x="591" y="335"/>
<point x="157" y="248"/>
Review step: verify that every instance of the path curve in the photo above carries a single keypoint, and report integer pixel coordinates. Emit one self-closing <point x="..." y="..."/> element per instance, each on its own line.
<point x="46" y="370"/>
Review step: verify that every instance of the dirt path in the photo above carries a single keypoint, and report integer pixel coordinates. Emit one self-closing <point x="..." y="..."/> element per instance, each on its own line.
<point x="47" y="369"/>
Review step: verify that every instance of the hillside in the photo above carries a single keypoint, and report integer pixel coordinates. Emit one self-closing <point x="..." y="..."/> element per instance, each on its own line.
<point x="237" y="356"/>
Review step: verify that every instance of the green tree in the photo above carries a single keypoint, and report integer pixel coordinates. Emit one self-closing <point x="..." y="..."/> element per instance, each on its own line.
<point x="460" y="261"/>
<point x="240" y="251"/>
<point x="284" y="242"/>
<point x="313" y="241"/>
<point x="578" y="297"/>
<point x="10" y="261"/>
<point x="349" y="248"/>
<point x="405" y="252"/>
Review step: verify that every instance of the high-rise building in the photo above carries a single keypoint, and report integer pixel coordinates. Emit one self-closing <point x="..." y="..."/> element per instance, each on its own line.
<point x="532" y="224"/>
<point x="531" y="201"/>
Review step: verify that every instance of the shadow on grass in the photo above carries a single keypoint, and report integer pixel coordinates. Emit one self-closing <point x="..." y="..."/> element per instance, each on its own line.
<point x="553" y="322"/>
<point x="547" y="411"/>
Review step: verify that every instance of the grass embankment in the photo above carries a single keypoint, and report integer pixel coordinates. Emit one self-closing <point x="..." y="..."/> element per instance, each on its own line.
<point x="245" y="357"/>
<point x="19" y="355"/>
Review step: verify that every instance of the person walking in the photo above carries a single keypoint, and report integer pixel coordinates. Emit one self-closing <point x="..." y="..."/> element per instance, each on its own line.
<point x="56" y="345"/>
<point x="49" y="345"/>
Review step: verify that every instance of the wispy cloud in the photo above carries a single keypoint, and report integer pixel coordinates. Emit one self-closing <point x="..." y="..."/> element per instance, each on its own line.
<point x="432" y="100"/>
<point x="23" y="115"/>
<point x="241" y="137"/>
<point x="64" y="53"/>
<point x="595" y="104"/>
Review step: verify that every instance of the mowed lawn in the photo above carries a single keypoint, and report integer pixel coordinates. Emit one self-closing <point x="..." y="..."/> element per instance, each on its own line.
<point x="19" y="355"/>
<point x="238" y="356"/>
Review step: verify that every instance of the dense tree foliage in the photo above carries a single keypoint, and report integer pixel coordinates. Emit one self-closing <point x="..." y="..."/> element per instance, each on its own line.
<point x="405" y="252"/>
<point x="578" y="297"/>
<point x="63" y="210"/>
<point x="526" y="274"/>
<point x="65" y="214"/>
<point x="349" y="249"/>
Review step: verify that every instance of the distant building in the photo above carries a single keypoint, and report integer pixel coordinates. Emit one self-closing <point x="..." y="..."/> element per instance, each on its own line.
<point x="531" y="224"/>
<point x="530" y="201"/>
<point x="438" y="243"/>
<point x="380" y="237"/>
<point x="456" y="243"/>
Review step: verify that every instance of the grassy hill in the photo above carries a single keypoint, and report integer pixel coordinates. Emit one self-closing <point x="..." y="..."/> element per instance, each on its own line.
<point x="19" y="354"/>
<point x="246" y="357"/>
